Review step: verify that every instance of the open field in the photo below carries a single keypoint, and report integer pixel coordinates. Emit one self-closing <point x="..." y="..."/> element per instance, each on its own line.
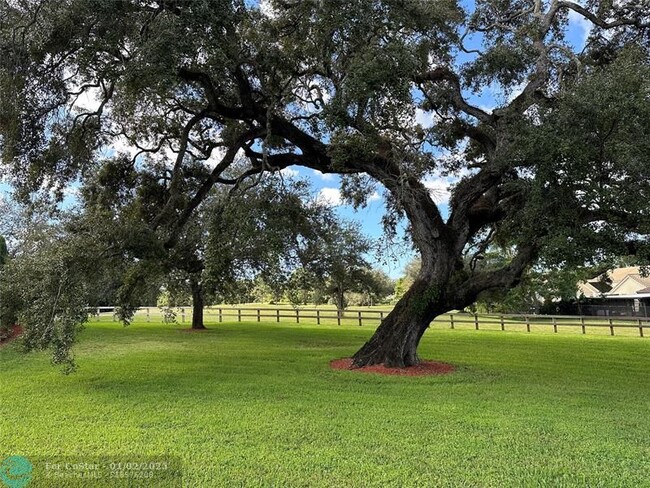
<point x="257" y="405"/>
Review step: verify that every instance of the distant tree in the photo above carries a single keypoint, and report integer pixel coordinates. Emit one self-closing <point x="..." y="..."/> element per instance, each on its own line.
<point x="377" y="286"/>
<point x="411" y="271"/>
<point x="262" y="292"/>
<point x="337" y="260"/>
<point x="304" y="287"/>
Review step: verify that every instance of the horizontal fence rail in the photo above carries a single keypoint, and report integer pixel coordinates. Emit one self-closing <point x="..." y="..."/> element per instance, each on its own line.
<point x="374" y="317"/>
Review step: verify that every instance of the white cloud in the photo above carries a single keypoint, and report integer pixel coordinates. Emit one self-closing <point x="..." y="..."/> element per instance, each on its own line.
<point x="88" y="101"/>
<point x="425" y="119"/>
<point x="487" y="108"/>
<point x="374" y="197"/>
<point x="289" y="172"/>
<point x="331" y="196"/>
<point x="267" y="9"/>
<point x="324" y="176"/>
<point x="439" y="188"/>
<point x="499" y="95"/>
<point x="216" y="156"/>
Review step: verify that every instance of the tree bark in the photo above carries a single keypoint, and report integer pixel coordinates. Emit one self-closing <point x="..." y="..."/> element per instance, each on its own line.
<point x="197" y="304"/>
<point x="395" y="342"/>
<point x="340" y="301"/>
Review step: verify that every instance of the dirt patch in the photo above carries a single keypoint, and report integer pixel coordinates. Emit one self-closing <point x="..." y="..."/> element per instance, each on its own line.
<point x="422" y="369"/>
<point x="14" y="331"/>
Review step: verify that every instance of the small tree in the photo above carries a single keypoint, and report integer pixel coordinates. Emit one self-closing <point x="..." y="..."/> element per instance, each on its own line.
<point x="337" y="260"/>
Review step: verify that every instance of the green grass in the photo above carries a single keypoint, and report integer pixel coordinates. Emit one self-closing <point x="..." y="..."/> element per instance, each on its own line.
<point x="257" y="405"/>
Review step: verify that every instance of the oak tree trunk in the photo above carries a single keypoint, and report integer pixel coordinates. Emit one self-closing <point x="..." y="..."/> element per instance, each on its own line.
<point x="395" y="342"/>
<point x="197" y="304"/>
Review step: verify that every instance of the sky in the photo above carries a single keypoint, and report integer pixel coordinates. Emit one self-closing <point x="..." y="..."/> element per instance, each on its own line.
<point x="369" y="217"/>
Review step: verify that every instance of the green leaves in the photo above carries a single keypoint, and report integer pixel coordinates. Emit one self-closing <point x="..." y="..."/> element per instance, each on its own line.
<point x="49" y="287"/>
<point x="587" y="154"/>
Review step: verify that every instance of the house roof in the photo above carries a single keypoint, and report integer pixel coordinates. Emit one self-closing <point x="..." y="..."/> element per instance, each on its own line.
<point x="586" y="289"/>
<point x="617" y="282"/>
<point x="638" y="280"/>
<point x="618" y="274"/>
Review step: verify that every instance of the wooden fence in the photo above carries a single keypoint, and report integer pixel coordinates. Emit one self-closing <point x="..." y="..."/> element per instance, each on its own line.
<point x="374" y="317"/>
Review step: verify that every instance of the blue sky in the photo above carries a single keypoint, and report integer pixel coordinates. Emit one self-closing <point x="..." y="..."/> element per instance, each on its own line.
<point x="369" y="217"/>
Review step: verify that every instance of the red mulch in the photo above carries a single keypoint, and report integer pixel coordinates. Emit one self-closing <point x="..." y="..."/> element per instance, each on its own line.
<point x="422" y="369"/>
<point x="14" y="332"/>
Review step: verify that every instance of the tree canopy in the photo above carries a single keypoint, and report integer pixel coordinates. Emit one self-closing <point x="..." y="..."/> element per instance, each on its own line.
<point x="557" y="170"/>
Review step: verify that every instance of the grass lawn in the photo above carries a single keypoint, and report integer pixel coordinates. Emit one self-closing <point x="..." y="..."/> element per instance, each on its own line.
<point x="257" y="405"/>
<point x="371" y="317"/>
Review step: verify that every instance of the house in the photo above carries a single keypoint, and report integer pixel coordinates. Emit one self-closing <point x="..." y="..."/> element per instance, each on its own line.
<point x="617" y="292"/>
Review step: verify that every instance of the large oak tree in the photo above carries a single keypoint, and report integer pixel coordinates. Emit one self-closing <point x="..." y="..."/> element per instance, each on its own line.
<point x="557" y="170"/>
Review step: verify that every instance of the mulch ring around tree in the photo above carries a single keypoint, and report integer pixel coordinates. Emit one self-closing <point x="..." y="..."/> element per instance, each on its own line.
<point x="13" y="332"/>
<point x="422" y="369"/>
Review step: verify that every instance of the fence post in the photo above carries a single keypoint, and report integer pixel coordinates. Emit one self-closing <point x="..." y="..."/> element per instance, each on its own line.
<point x="183" y="315"/>
<point x="297" y="316"/>
<point x="148" y="316"/>
<point x="640" y="328"/>
<point x="277" y="315"/>
<point x="611" y="327"/>
<point x="476" y="321"/>
<point x="220" y="314"/>
<point x="554" y="325"/>
<point x="338" y="316"/>
<point x="451" y="320"/>
<point x="381" y="316"/>
<point x="318" y="317"/>
<point x="360" y="321"/>
<point x="239" y="314"/>
<point x="503" y="325"/>
<point x="582" y="322"/>
<point x="527" y="324"/>
<point x="258" y="314"/>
